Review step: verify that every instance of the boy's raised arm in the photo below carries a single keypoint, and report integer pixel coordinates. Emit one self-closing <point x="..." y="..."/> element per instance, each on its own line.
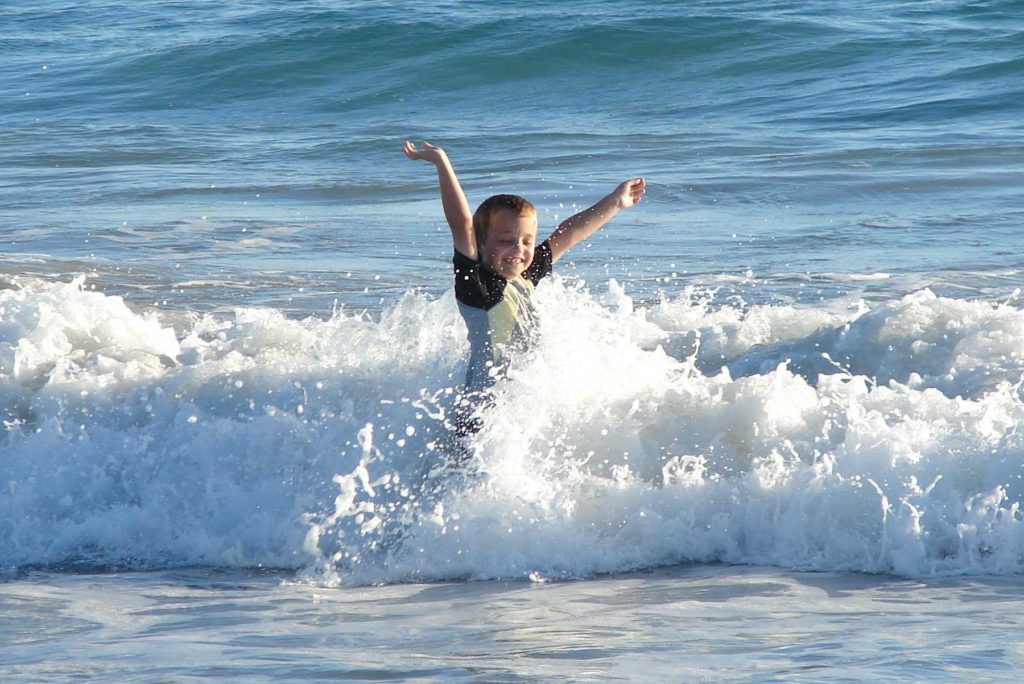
<point x="579" y="227"/>
<point x="456" y="209"/>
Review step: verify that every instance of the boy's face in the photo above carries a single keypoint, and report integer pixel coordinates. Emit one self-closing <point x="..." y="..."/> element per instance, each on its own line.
<point x="511" y="238"/>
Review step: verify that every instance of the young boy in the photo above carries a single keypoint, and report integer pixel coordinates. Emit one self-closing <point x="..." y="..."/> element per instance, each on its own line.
<point x="498" y="263"/>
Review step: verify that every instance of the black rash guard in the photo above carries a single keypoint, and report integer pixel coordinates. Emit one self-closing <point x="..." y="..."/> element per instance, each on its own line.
<point x="499" y="313"/>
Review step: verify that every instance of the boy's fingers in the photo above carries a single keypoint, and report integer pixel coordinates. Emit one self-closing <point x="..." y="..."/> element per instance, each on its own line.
<point x="637" y="188"/>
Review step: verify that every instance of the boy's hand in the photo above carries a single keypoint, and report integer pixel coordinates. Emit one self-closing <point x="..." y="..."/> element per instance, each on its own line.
<point x="430" y="153"/>
<point x="628" y="194"/>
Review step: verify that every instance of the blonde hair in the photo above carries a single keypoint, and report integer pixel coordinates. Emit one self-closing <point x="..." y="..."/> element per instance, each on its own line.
<point x="482" y="216"/>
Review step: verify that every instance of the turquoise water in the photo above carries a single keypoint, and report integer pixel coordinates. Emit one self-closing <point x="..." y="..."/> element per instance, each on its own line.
<point x="228" y="341"/>
<point x="262" y="140"/>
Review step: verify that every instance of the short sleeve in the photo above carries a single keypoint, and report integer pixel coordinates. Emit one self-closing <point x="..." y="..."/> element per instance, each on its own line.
<point x="474" y="285"/>
<point x="541" y="266"/>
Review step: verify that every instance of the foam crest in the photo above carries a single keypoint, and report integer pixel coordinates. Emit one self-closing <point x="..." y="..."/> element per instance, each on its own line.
<point x="606" y="453"/>
<point x="126" y="446"/>
<point x="845" y="437"/>
<point x="960" y="347"/>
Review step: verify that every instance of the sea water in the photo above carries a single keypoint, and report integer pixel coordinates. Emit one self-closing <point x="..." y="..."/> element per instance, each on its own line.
<point x="769" y="428"/>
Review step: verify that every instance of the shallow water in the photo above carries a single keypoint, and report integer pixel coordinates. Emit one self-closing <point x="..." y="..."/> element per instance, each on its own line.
<point x="708" y="623"/>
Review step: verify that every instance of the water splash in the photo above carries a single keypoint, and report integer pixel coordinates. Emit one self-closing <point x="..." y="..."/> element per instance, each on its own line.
<point x="877" y="438"/>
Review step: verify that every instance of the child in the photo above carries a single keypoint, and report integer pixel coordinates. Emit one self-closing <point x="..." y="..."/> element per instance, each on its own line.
<point x="498" y="263"/>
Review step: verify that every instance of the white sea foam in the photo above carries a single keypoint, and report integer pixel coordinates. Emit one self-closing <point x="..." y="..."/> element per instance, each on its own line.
<point x="875" y="439"/>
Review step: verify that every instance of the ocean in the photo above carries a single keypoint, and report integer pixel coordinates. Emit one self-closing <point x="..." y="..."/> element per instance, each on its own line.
<point x="769" y="429"/>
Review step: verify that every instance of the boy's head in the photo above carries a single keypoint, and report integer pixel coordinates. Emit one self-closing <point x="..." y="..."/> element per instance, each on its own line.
<point x="505" y="227"/>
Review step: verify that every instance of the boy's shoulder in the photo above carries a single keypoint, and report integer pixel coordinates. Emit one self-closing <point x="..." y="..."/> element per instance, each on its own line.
<point x="542" y="263"/>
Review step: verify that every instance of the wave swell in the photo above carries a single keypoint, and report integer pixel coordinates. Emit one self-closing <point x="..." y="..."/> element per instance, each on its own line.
<point x="878" y="438"/>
